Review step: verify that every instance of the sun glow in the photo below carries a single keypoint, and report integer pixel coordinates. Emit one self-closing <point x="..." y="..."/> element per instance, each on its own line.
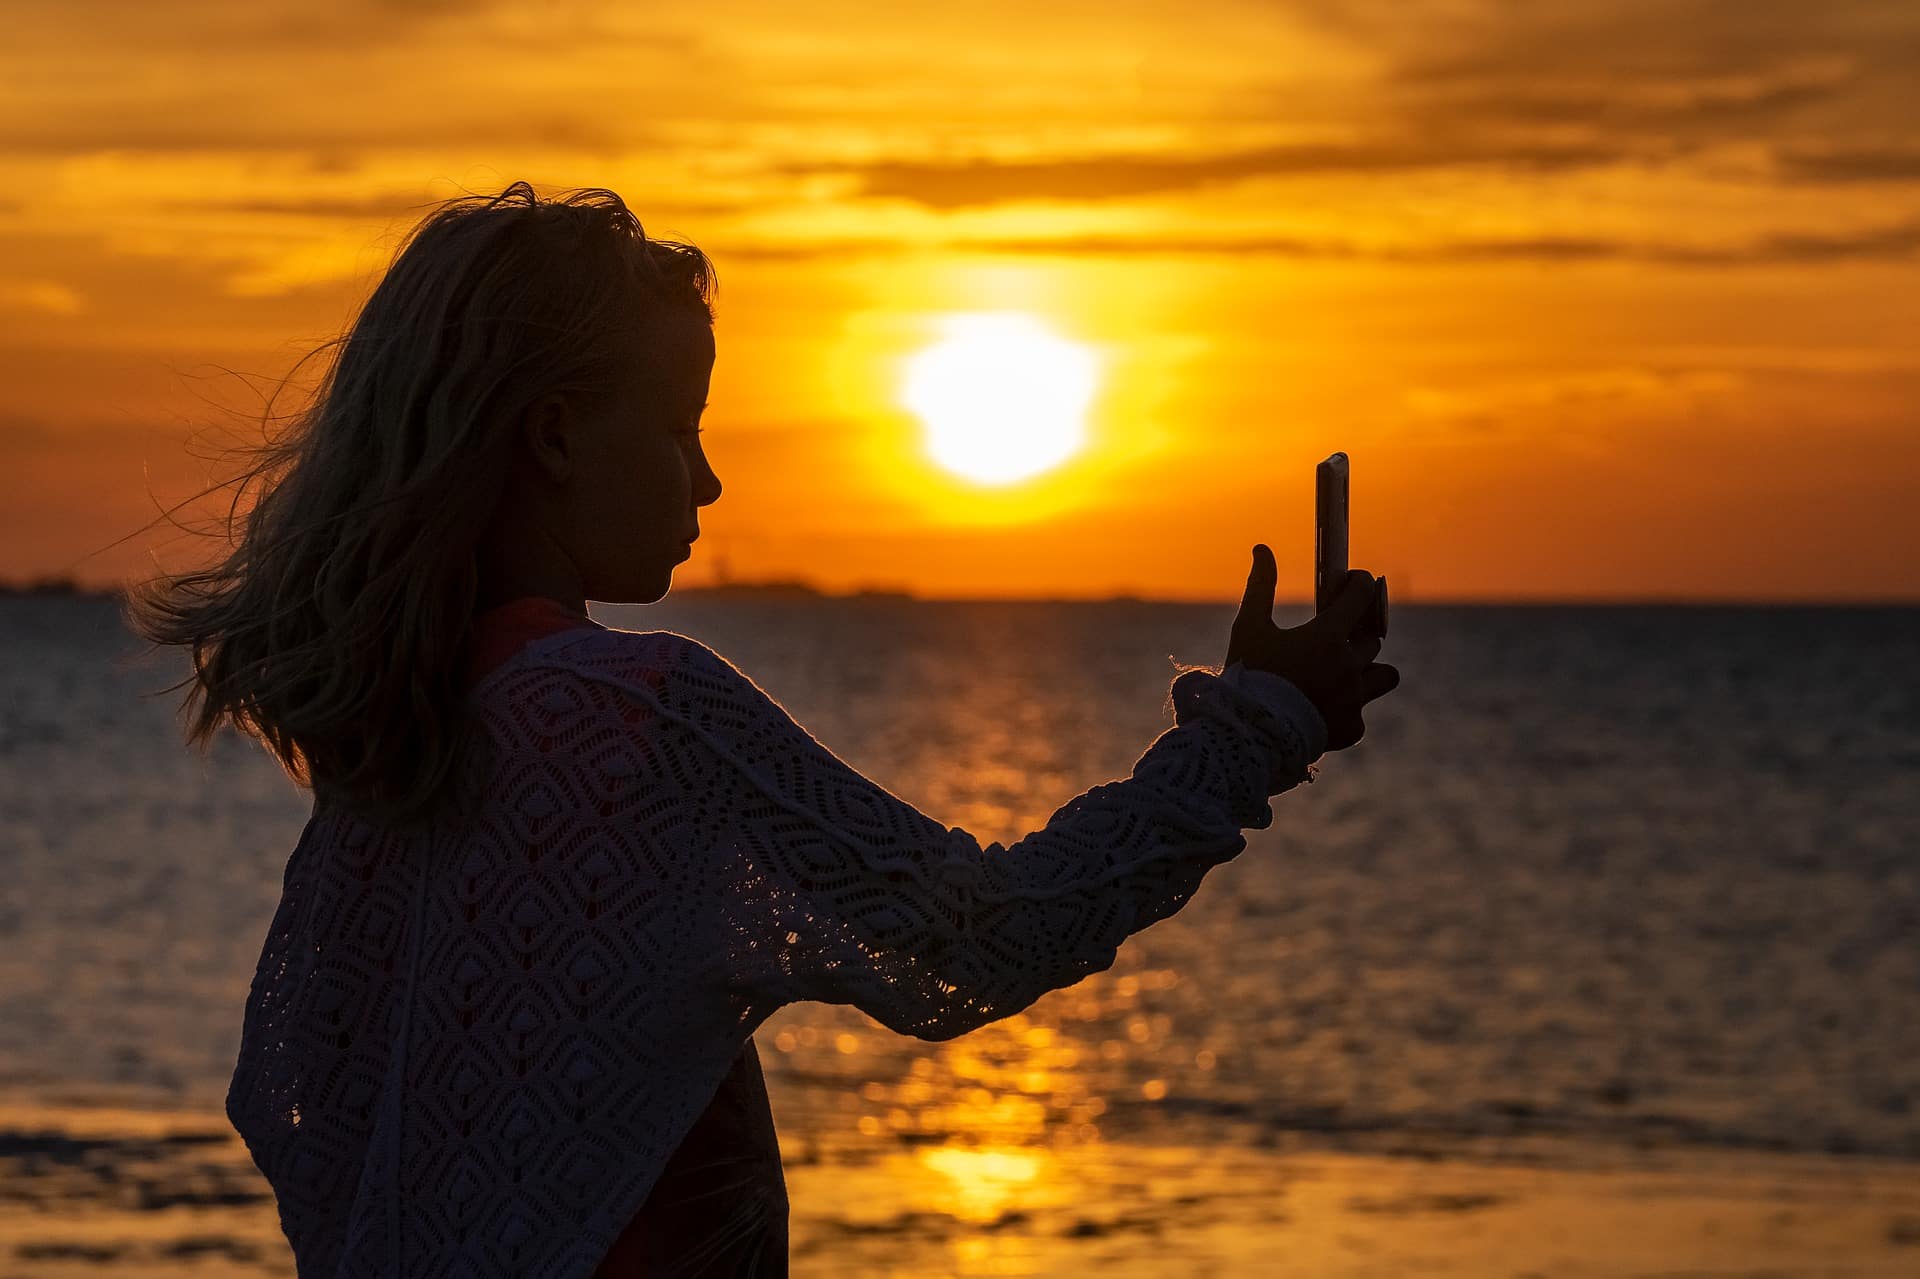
<point x="1002" y="396"/>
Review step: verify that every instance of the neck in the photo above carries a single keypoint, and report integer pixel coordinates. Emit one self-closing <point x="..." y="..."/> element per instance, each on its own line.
<point x="516" y="563"/>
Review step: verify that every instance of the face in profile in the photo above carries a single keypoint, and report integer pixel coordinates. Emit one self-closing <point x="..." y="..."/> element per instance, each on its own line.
<point x="641" y="473"/>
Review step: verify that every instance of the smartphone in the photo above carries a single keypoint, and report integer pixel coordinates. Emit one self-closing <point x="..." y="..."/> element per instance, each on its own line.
<point x="1330" y="543"/>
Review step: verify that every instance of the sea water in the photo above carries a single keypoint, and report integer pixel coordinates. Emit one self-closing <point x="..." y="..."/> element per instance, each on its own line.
<point x="1605" y="878"/>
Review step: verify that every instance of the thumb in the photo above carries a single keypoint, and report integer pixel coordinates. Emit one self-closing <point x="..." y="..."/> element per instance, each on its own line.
<point x="1345" y="610"/>
<point x="1258" y="600"/>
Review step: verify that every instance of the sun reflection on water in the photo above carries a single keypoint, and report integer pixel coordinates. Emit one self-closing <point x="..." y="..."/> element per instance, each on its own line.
<point x="980" y="1184"/>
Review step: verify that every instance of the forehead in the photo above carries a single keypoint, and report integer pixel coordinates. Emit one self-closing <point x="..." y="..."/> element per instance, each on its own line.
<point x="676" y="351"/>
<point x="682" y="335"/>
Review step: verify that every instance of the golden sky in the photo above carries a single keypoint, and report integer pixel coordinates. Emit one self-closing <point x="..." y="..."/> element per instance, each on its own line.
<point x="1606" y="301"/>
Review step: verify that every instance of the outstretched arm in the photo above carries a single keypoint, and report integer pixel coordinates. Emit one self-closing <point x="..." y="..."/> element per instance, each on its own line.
<point x="833" y="889"/>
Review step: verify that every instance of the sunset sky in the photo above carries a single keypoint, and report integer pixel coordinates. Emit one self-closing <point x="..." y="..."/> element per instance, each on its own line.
<point x="1606" y="301"/>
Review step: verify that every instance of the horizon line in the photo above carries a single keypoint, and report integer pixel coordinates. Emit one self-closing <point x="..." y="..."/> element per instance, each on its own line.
<point x="793" y="588"/>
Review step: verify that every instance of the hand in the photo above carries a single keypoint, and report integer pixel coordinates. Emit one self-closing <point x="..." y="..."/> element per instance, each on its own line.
<point x="1324" y="658"/>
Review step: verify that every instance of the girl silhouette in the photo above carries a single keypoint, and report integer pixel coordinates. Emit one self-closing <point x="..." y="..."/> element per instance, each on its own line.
<point x="555" y="873"/>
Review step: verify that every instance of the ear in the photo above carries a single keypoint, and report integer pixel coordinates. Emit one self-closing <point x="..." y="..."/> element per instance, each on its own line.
<point x="546" y="430"/>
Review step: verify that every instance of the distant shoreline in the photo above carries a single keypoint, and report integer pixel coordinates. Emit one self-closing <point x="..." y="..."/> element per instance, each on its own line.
<point x="53" y="586"/>
<point x="66" y="587"/>
<point x="794" y="589"/>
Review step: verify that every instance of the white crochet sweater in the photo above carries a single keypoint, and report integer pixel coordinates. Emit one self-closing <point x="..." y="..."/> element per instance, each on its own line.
<point x="469" y="1049"/>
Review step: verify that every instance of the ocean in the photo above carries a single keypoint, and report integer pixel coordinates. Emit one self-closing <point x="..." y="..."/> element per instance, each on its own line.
<point x="1602" y="889"/>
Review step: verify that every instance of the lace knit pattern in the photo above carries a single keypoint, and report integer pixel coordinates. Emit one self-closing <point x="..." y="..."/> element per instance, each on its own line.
<point x="469" y="1050"/>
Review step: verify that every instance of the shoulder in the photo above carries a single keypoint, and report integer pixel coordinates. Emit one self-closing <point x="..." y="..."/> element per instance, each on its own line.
<point x="668" y="653"/>
<point x="573" y="693"/>
<point x="667" y="666"/>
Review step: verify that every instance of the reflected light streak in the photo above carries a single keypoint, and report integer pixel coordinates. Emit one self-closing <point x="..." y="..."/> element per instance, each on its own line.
<point x="983" y="1182"/>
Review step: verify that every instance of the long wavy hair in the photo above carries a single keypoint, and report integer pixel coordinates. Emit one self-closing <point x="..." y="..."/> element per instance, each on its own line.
<point x="331" y="628"/>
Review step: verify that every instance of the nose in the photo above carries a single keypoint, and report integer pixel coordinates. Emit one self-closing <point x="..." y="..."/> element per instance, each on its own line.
<point x="705" y="494"/>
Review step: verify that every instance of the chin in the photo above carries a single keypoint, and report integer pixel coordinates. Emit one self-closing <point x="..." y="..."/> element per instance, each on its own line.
<point x="650" y="595"/>
<point x="649" y="589"/>
<point x="657" y="588"/>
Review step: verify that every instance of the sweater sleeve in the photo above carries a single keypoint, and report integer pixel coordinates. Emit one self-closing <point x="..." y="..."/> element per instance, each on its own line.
<point x="835" y="890"/>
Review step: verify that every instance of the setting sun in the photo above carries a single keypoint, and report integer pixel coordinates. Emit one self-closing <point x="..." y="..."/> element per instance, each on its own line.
<point x="1002" y="396"/>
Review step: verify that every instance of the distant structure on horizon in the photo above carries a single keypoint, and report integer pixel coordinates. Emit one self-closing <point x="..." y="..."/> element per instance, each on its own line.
<point x="724" y="584"/>
<point x="45" y="586"/>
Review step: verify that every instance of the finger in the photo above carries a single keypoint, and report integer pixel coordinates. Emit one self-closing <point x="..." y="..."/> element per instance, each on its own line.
<point x="1378" y="680"/>
<point x="1364" y="650"/>
<point x="1345" y="610"/>
<point x="1258" y="599"/>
